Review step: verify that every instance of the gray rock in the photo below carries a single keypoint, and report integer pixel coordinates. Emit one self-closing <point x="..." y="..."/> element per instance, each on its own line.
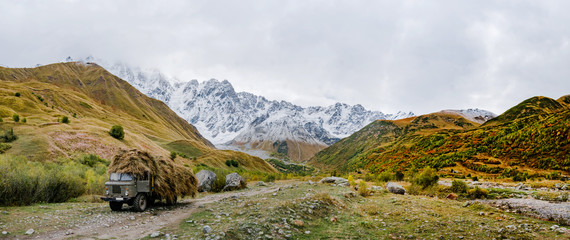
<point x="206" y="229"/>
<point x="395" y="188"/>
<point x="155" y="234"/>
<point x="335" y="180"/>
<point x="376" y="188"/>
<point x="30" y="231"/>
<point x="205" y="180"/>
<point x="262" y="184"/>
<point x="234" y="182"/>
<point x="4" y="233"/>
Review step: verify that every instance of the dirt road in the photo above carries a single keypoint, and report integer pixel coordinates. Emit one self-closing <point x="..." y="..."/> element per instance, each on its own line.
<point x="126" y="224"/>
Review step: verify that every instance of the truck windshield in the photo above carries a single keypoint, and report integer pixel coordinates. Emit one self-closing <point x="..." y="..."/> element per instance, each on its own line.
<point x="120" y="177"/>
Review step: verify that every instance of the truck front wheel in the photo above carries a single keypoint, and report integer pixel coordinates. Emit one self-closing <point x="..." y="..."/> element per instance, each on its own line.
<point x="116" y="206"/>
<point x="139" y="204"/>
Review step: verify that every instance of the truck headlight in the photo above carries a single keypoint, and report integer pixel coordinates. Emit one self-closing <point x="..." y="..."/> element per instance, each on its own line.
<point x="127" y="192"/>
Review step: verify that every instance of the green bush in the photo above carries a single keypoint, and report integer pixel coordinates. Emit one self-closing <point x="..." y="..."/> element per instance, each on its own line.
<point x="427" y="178"/>
<point x="232" y="163"/>
<point x="1" y="120"/>
<point x="219" y="182"/>
<point x="458" y="186"/>
<point x="477" y="192"/>
<point x="65" y="120"/>
<point x="384" y="176"/>
<point x="117" y="132"/>
<point x="24" y="120"/>
<point x="8" y="136"/>
<point x="4" y="147"/>
<point x="16" y="117"/>
<point x="172" y="155"/>
<point x="25" y="182"/>
<point x="398" y="176"/>
<point x="270" y="178"/>
<point x="475" y="178"/>
<point x="17" y="94"/>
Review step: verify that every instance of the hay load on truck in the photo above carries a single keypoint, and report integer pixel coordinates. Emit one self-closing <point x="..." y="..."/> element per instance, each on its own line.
<point x="139" y="179"/>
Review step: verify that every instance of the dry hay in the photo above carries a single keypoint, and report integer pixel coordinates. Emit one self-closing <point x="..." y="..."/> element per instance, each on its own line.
<point x="171" y="179"/>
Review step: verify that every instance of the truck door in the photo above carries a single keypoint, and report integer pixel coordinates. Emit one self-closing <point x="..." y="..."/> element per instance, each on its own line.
<point x="143" y="183"/>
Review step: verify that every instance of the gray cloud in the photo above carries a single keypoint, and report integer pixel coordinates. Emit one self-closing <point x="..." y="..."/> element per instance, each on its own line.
<point x="385" y="55"/>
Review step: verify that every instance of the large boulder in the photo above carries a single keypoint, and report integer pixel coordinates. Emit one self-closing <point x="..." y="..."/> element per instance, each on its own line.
<point x="205" y="180"/>
<point x="395" y="188"/>
<point x="335" y="180"/>
<point x="234" y="182"/>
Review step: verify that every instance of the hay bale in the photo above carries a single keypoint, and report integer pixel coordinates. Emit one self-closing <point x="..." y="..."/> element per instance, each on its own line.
<point x="171" y="179"/>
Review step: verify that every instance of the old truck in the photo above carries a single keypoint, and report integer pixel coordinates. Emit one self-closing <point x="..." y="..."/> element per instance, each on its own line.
<point x="134" y="190"/>
<point x="139" y="179"/>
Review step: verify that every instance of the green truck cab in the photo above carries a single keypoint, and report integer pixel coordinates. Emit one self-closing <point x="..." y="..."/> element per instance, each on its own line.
<point x="135" y="191"/>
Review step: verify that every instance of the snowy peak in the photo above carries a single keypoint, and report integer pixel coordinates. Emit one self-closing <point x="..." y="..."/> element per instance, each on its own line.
<point x="225" y="116"/>
<point x="474" y="114"/>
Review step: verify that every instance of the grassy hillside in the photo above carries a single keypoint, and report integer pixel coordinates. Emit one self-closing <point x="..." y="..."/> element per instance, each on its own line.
<point x="94" y="100"/>
<point x="531" y="138"/>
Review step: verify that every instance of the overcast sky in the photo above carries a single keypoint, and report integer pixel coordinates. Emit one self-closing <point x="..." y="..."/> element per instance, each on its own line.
<point x="420" y="56"/>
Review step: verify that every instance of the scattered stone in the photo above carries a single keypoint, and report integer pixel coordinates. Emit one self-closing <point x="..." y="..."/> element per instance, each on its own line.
<point x="132" y="218"/>
<point x="554" y="227"/>
<point x="206" y="229"/>
<point x="376" y="188"/>
<point x="262" y="184"/>
<point x="311" y="182"/>
<point x="298" y="223"/>
<point x="336" y="180"/>
<point x="205" y="180"/>
<point x="452" y="196"/>
<point x="30" y="231"/>
<point x="155" y="234"/>
<point x="274" y="194"/>
<point x="4" y="233"/>
<point x="68" y="232"/>
<point x="395" y="188"/>
<point x="349" y="195"/>
<point x="234" y="182"/>
<point x="307" y="232"/>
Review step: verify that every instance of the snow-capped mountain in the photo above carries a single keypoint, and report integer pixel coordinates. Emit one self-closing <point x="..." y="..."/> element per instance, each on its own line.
<point x="227" y="117"/>
<point x="474" y="115"/>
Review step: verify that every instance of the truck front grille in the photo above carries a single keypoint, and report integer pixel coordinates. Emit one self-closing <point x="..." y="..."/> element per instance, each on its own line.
<point x="116" y="189"/>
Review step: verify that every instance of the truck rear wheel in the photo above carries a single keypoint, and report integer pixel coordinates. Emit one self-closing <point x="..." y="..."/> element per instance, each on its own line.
<point x="116" y="206"/>
<point x="140" y="203"/>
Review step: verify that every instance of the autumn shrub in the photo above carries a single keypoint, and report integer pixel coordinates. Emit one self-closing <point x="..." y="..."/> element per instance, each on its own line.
<point x="351" y="181"/>
<point x="477" y="192"/>
<point x="8" y="136"/>
<point x="426" y="178"/>
<point x="458" y="186"/>
<point x="385" y="176"/>
<point x="363" y="189"/>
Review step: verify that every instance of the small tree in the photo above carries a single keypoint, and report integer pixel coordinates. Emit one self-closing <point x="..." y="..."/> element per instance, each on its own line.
<point x="65" y="120"/>
<point x="117" y="132"/>
<point x="16" y="117"/>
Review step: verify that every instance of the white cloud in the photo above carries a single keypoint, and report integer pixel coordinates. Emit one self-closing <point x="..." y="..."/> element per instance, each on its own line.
<point x="385" y="55"/>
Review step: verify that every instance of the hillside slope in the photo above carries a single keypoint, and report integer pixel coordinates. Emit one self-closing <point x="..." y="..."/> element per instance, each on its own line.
<point x="94" y="100"/>
<point x="532" y="137"/>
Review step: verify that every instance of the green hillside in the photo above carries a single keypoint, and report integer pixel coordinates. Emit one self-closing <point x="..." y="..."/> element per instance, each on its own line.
<point x="532" y="137"/>
<point x="94" y="100"/>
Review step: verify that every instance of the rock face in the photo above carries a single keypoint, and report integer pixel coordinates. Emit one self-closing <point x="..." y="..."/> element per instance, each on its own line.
<point x="234" y="182"/>
<point x="205" y="180"/>
<point x="395" y="188"/>
<point x="335" y="180"/>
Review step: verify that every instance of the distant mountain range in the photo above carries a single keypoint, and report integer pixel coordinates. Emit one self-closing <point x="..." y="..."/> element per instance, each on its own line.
<point x="529" y="140"/>
<point x="246" y="122"/>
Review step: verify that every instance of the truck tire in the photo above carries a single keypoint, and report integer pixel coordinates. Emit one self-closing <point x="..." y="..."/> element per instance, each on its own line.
<point x="116" y="206"/>
<point x="140" y="203"/>
<point x="171" y="202"/>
